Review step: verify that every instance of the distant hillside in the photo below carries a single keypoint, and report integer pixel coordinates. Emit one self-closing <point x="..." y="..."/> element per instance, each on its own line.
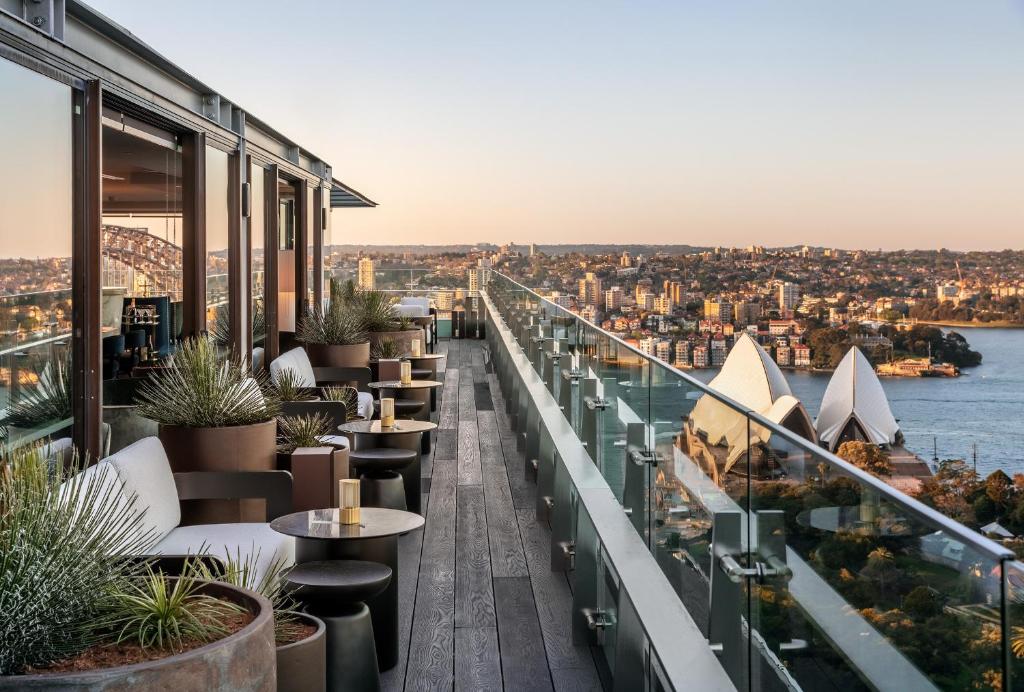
<point x="588" y="249"/>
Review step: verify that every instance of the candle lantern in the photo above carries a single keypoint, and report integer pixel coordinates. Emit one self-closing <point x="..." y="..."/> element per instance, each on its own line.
<point x="406" y="372"/>
<point x="348" y="492"/>
<point x="415" y="348"/>
<point x="387" y="412"/>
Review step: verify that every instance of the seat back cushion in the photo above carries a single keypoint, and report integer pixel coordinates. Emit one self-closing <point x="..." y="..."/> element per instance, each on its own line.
<point x="297" y="361"/>
<point x="145" y="472"/>
<point x="405" y="310"/>
<point x="416" y="300"/>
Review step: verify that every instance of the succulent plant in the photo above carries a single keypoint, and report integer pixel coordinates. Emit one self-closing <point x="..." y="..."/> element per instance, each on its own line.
<point x="301" y="431"/>
<point x="348" y="395"/>
<point x="288" y="386"/>
<point x="337" y="325"/>
<point x="386" y="348"/>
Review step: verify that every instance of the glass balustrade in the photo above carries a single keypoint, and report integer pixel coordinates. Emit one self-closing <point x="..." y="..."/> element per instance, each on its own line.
<point x="802" y="570"/>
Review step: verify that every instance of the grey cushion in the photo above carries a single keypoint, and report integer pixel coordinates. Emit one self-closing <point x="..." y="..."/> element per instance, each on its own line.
<point x="297" y="361"/>
<point x="226" y="541"/>
<point x="144" y="470"/>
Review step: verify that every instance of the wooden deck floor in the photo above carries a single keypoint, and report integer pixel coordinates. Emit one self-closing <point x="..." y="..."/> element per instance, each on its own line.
<point x="480" y="608"/>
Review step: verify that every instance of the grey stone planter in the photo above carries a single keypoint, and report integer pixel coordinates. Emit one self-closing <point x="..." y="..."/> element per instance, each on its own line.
<point x="302" y="666"/>
<point x="242" y="662"/>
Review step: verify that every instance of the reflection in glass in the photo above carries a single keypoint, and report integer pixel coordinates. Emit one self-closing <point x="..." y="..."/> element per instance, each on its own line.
<point x="35" y="255"/>
<point x="310" y="225"/>
<point x="326" y="243"/>
<point x="217" y="280"/>
<point x="257" y="256"/>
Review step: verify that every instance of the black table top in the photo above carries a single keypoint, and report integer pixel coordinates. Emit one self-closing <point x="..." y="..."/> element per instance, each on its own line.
<point x="398" y="384"/>
<point x="400" y="427"/>
<point x="374" y="522"/>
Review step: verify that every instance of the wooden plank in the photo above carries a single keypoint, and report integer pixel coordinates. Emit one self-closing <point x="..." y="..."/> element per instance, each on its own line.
<point x="431" y="648"/>
<point x="482" y="397"/>
<point x="467" y="397"/>
<point x="554" y="603"/>
<point x="409" y="548"/>
<point x="446" y="444"/>
<point x="477" y="663"/>
<point x="524" y="493"/>
<point x="523" y="666"/>
<point x="469" y="454"/>
<point x="448" y="415"/>
<point x="474" y="601"/>
<point x="507" y="556"/>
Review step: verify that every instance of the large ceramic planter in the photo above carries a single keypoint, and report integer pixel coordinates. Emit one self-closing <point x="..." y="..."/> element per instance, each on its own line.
<point x="302" y="666"/>
<point x="230" y="448"/>
<point x="241" y="662"/>
<point x="403" y="339"/>
<point x="339" y="355"/>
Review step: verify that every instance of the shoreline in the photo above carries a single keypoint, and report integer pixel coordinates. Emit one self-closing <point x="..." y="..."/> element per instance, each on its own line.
<point x="972" y="325"/>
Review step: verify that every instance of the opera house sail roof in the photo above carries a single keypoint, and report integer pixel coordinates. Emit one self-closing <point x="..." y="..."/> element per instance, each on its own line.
<point x="752" y="379"/>
<point x="855" y="406"/>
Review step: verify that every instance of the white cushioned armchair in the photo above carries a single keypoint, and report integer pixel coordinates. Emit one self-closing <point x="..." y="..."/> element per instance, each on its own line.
<point x="309" y="377"/>
<point x="143" y="471"/>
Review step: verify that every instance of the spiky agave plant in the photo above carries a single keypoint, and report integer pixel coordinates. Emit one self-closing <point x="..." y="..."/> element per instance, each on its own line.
<point x="203" y="388"/>
<point x="337" y="325"/>
<point x="288" y="386"/>
<point x="374" y="310"/>
<point x="47" y="402"/>
<point x="386" y="348"/>
<point x="65" y="538"/>
<point x="301" y="431"/>
<point x="345" y="394"/>
<point x="240" y="570"/>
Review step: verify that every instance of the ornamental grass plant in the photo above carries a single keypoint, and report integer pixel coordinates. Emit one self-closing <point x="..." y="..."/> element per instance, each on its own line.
<point x="203" y="388"/>
<point x="338" y="325"/>
<point x="65" y="538"/>
<point x="345" y="394"/>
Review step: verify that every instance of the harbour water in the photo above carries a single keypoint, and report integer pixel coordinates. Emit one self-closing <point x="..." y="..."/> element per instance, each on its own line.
<point x="983" y="407"/>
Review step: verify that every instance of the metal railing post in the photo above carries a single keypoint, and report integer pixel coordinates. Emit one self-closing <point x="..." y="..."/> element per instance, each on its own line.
<point x="546" y="460"/>
<point x="563" y="520"/>
<point x="635" y="491"/>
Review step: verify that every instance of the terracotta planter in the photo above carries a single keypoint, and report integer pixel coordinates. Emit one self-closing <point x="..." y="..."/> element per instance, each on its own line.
<point x="230" y="448"/>
<point x="402" y="338"/>
<point x="244" y="661"/>
<point x="339" y="355"/>
<point x="302" y="666"/>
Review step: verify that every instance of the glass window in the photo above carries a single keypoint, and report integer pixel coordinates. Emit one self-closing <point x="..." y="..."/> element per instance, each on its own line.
<point x="218" y="287"/>
<point x="326" y="242"/>
<point x="257" y="256"/>
<point x="311" y="223"/>
<point x="35" y="255"/>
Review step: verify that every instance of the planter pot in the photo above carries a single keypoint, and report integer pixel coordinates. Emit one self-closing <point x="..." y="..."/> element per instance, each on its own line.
<point x="402" y="338"/>
<point x="302" y="666"/>
<point x="230" y="448"/>
<point x="244" y="661"/>
<point x="339" y="356"/>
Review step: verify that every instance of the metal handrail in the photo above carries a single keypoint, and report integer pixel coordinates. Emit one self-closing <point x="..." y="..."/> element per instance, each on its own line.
<point x="983" y="545"/>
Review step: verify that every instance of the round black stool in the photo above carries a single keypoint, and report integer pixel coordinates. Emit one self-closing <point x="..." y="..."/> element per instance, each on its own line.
<point x="335" y="591"/>
<point x="422" y="374"/>
<point x="381" y="484"/>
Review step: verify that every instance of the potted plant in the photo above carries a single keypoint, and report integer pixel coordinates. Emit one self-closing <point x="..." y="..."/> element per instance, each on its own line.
<point x="316" y="457"/>
<point x="213" y="415"/>
<point x="333" y="337"/>
<point x="46" y="404"/>
<point x="300" y="638"/>
<point x="78" y="612"/>
<point x="375" y="312"/>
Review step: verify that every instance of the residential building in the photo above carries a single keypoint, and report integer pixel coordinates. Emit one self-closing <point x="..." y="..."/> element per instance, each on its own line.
<point x="625" y="260"/>
<point x="701" y="357"/>
<point x="719" y="351"/>
<point x="663" y="304"/>
<point x="663" y="350"/>
<point x="367" y="277"/>
<point x="718" y="309"/>
<point x="789" y="297"/>
<point x="801" y="356"/>
<point x="682" y="354"/>
<point x="783" y="355"/>
<point x="590" y="292"/>
<point x="613" y="298"/>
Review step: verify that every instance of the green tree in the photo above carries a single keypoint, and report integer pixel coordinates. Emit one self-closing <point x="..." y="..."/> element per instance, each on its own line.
<point x="866" y="456"/>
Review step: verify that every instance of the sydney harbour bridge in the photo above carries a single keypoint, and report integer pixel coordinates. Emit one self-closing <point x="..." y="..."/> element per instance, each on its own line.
<point x="144" y="263"/>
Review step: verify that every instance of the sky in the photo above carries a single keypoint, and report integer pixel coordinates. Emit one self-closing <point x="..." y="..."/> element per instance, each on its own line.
<point x="867" y="124"/>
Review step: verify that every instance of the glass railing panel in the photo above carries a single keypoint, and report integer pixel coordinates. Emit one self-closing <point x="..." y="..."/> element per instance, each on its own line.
<point x="35" y="389"/>
<point x="684" y="494"/>
<point x="860" y="591"/>
<point x="1013" y="640"/>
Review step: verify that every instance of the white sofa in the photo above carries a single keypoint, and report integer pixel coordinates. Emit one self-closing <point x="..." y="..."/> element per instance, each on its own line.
<point x="297" y="361"/>
<point x="142" y="471"/>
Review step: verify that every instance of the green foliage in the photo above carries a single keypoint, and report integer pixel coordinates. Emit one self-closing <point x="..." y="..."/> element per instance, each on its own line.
<point x="843" y="550"/>
<point x="288" y="386"/>
<point x="922" y="603"/>
<point x="385" y="349"/>
<point x="301" y="431"/>
<point x="337" y="325"/>
<point x="374" y="311"/>
<point x="62" y="553"/>
<point x="347" y="395"/>
<point x="866" y="456"/>
<point x="157" y="611"/>
<point x="203" y="388"/>
<point x="49" y="401"/>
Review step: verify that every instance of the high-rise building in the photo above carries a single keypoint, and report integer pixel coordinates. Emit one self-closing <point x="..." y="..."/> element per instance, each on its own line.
<point x="367" y="274"/>
<point x="663" y="304"/>
<point x="590" y="290"/>
<point x="533" y="249"/>
<point x="648" y="344"/>
<point x="663" y="351"/>
<point x="789" y="297"/>
<point x="613" y="298"/>
<point x="625" y="260"/>
<point x="645" y="301"/>
<point x="682" y="354"/>
<point x="718" y="309"/>
<point x="700" y="357"/>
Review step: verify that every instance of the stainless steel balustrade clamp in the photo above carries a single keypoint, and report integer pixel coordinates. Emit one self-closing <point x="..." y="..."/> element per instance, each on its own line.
<point x="568" y="391"/>
<point x="597" y="619"/>
<point x="567" y="549"/>
<point x="588" y="415"/>
<point x="728" y="596"/>
<point x="563" y="519"/>
<point x="532" y="436"/>
<point x="636" y="486"/>
<point x="546" y="460"/>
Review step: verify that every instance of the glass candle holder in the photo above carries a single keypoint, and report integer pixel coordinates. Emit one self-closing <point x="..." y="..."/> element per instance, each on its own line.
<point x="387" y="412"/>
<point x="415" y="348"/>
<point x="406" y="371"/>
<point x="348" y="500"/>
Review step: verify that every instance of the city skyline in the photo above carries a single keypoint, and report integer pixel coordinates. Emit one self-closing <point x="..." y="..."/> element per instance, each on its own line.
<point x="858" y="126"/>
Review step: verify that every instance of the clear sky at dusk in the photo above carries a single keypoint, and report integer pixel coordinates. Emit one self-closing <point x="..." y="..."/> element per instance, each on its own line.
<point x="875" y="123"/>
